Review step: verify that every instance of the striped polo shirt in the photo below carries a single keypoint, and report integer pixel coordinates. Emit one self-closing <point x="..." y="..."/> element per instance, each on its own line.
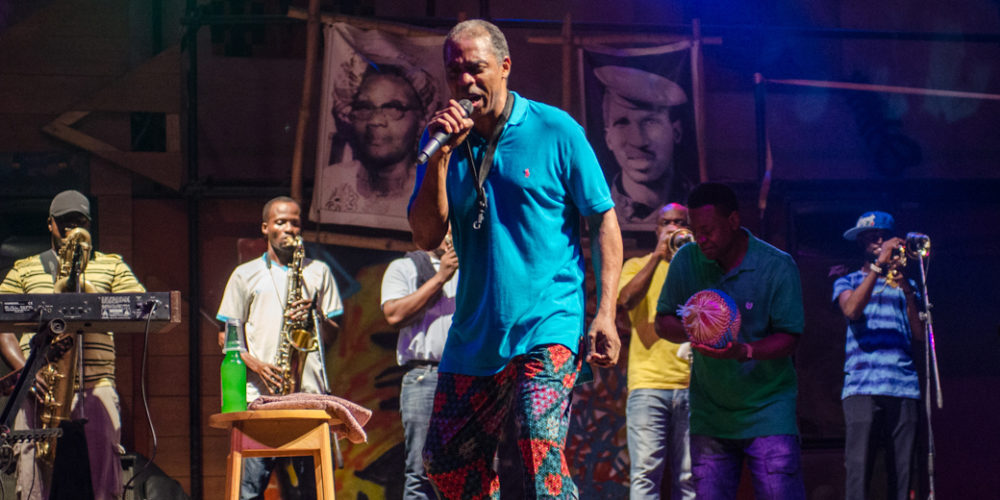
<point x="109" y="274"/>
<point x="878" y="348"/>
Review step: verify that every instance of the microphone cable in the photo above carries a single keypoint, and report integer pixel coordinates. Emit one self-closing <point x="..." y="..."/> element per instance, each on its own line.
<point x="145" y="401"/>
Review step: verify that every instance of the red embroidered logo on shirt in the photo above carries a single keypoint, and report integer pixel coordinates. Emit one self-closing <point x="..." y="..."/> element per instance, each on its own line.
<point x="527" y="173"/>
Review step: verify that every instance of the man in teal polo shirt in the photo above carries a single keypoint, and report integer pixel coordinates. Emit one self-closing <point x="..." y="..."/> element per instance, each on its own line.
<point x="742" y="396"/>
<point x="513" y="180"/>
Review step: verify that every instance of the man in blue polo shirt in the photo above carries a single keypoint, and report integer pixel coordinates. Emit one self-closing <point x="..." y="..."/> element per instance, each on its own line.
<point x="742" y="396"/>
<point x="881" y="389"/>
<point x="514" y="180"/>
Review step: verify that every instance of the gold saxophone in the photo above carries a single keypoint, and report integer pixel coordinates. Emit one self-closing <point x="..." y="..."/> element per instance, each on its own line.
<point x="60" y="375"/>
<point x="298" y="336"/>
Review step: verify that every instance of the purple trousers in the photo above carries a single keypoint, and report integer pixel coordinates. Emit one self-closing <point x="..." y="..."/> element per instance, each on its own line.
<point x="103" y="430"/>
<point x="774" y="463"/>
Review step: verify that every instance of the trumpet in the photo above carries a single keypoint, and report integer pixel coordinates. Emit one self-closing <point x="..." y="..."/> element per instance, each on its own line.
<point x="679" y="238"/>
<point x="917" y="246"/>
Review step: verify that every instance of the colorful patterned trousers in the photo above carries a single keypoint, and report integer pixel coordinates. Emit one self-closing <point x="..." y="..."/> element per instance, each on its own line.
<point x="534" y="390"/>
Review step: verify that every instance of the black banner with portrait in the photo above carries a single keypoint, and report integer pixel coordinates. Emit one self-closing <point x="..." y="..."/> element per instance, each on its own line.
<point x="639" y="115"/>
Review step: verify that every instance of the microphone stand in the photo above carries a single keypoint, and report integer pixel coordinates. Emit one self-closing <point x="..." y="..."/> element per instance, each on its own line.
<point x="338" y="455"/>
<point x="930" y="361"/>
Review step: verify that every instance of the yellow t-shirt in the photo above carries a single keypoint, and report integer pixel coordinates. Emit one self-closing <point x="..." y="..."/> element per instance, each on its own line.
<point x="652" y="361"/>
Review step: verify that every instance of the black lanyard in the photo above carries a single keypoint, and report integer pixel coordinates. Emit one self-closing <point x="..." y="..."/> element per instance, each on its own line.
<point x="483" y="171"/>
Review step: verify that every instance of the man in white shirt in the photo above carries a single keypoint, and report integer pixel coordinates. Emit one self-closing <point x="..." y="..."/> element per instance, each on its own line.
<point x="418" y="295"/>
<point x="256" y="295"/>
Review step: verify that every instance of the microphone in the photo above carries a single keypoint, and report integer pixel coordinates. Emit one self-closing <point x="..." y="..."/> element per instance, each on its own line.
<point x="918" y="244"/>
<point x="441" y="137"/>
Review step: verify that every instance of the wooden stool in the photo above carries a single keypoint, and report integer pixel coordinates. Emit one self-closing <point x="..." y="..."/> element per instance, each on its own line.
<point x="277" y="433"/>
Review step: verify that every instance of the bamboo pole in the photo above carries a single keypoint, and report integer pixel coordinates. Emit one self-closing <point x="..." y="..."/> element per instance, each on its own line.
<point x="698" y="89"/>
<point x="763" y="148"/>
<point x="581" y="87"/>
<point x="567" y="62"/>
<point x="312" y="47"/>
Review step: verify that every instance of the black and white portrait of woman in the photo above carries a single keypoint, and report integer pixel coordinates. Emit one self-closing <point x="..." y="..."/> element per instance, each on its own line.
<point x="378" y="90"/>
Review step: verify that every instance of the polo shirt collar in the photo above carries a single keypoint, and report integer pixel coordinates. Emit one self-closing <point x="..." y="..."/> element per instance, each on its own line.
<point x="267" y="263"/>
<point x="750" y="261"/>
<point x="518" y="111"/>
<point x="754" y="246"/>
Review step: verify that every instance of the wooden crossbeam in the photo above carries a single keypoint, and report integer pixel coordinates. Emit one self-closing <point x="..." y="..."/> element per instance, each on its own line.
<point x="349" y="240"/>
<point x="163" y="168"/>
<point x="368" y="24"/>
<point x="621" y="38"/>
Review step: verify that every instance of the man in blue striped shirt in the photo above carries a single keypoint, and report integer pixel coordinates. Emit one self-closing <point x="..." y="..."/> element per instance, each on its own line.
<point x="881" y="390"/>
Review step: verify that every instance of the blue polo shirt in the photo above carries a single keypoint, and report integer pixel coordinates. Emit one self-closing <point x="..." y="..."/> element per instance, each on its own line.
<point x="729" y="399"/>
<point x="878" y="359"/>
<point x="522" y="271"/>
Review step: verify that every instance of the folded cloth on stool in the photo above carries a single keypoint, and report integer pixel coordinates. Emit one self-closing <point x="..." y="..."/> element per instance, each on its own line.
<point x="348" y="418"/>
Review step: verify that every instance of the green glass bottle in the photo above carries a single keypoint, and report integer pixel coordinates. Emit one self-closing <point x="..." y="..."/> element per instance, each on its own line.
<point x="233" y="373"/>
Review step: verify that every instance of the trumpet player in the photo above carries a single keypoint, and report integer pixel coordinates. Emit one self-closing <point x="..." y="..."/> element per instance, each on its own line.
<point x="69" y="212"/>
<point x="257" y="294"/>
<point x="658" y="370"/>
<point x="881" y="389"/>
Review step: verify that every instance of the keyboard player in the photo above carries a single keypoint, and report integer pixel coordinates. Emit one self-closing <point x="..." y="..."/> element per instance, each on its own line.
<point x="106" y="273"/>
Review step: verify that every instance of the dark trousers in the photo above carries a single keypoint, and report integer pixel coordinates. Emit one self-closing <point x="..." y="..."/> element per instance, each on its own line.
<point x="875" y="422"/>
<point x="775" y="464"/>
<point x="257" y="473"/>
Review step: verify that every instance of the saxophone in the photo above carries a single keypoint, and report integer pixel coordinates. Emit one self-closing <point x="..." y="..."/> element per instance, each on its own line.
<point x="60" y="375"/>
<point x="298" y="336"/>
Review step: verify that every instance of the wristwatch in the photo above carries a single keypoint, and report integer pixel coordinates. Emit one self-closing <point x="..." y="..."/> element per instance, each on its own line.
<point x="749" y="353"/>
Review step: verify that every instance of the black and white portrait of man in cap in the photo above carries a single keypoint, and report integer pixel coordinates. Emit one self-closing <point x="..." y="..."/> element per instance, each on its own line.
<point x="642" y="131"/>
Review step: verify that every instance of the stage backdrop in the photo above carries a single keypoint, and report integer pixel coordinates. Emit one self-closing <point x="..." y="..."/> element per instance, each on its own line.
<point x="378" y="90"/>
<point x="639" y="116"/>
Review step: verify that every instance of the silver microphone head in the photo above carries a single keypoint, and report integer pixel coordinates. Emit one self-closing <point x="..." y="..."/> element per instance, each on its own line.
<point x="918" y="244"/>
<point x="466" y="106"/>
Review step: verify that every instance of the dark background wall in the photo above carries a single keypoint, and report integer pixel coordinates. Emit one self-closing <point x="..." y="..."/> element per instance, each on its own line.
<point x="836" y="154"/>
